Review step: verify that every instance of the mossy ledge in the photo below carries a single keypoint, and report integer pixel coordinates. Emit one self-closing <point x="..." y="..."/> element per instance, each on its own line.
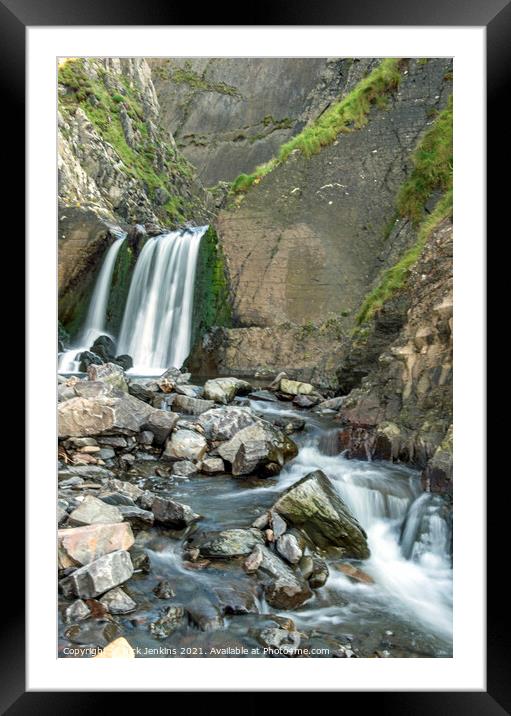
<point x="346" y="115"/>
<point x="432" y="173"/>
<point x="211" y="305"/>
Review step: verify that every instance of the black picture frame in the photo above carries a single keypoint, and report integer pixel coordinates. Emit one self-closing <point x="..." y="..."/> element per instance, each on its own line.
<point x="495" y="15"/>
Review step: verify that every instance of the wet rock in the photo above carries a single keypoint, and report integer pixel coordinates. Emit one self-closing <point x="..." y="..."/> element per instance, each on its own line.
<point x="262" y="521"/>
<point x="113" y="441"/>
<point x="331" y="404"/>
<point x="160" y="423"/>
<point x="99" y="576"/>
<point x="263" y="445"/>
<point x="62" y="511"/>
<point x="224" y="390"/>
<point x="171" y="619"/>
<point x="65" y="392"/>
<point x="126" y="461"/>
<point x="275" y="384"/>
<point x="93" y="389"/>
<point x="231" y="543"/>
<point x="116" y="498"/>
<point x="236" y="600"/>
<point x="287" y="424"/>
<point x="282" y="641"/>
<point x="354" y="573"/>
<point x="93" y="631"/>
<point x="106" y="414"/>
<point x="164" y="590"/>
<point x="88" y="358"/>
<point x="145" y="437"/>
<point x="143" y="389"/>
<point x="204" y="614"/>
<point x="283" y="588"/>
<point x="93" y="511"/>
<point x="86" y="472"/>
<point x="312" y="505"/>
<point x="288" y="547"/>
<point x="220" y="424"/>
<point x="104" y="347"/>
<point x="184" y="445"/>
<point x="319" y="573"/>
<point x="184" y="468"/>
<point x="137" y="517"/>
<point x="140" y="560"/>
<point x="109" y="373"/>
<point x="191" y="406"/>
<point x="173" y="514"/>
<point x="124" y="360"/>
<point x="306" y="565"/>
<point x="117" y="649"/>
<point x="254" y="560"/>
<point x="77" y="612"/>
<point x="278" y="525"/>
<point x="265" y="395"/>
<point x="82" y="545"/>
<point x="306" y="401"/>
<point x="117" y="601"/>
<point x="212" y="465"/>
<point x="294" y="387"/>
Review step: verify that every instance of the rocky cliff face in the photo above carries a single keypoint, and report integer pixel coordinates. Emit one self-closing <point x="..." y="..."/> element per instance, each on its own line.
<point x="230" y="114"/>
<point x="117" y="168"/>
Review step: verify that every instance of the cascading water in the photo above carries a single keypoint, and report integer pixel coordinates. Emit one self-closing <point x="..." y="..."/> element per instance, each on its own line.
<point x="156" y="327"/>
<point x="96" y="315"/>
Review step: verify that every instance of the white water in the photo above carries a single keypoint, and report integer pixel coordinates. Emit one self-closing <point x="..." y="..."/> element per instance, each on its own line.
<point x="408" y="535"/>
<point x="96" y="315"/>
<point x="156" y="327"/>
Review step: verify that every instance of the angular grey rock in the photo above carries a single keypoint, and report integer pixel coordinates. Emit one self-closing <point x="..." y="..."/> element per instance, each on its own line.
<point x="229" y="543"/>
<point x="278" y="525"/>
<point x="331" y="404"/>
<point x="106" y="453"/>
<point x="106" y="414"/>
<point x="191" y="406"/>
<point x="306" y="401"/>
<point x="145" y="437"/>
<point x="77" y="611"/>
<point x="204" y="614"/>
<point x="184" y="445"/>
<point x="94" y="511"/>
<point x="116" y="498"/>
<point x="118" y="602"/>
<point x="212" y="465"/>
<point x="136" y="516"/>
<point x="184" y="468"/>
<point x="294" y="387"/>
<point x="281" y="640"/>
<point x="99" y="576"/>
<point x="81" y="545"/>
<point x="191" y="391"/>
<point x="262" y="445"/>
<point x="313" y="505"/>
<point x="288" y="547"/>
<point x="283" y="588"/>
<point x="164" y="590"/>
<point x="171" y="619"/>
<point x="160" y="423"/>
<point x="173" y="514"/>
<point x="93" y="389"/>
<point x="319" y="574"/>
<point x="222" y="424"/>
<point x="254" y="560"/>
<point x="108" y="373"/>
<point x="143" y="389"/>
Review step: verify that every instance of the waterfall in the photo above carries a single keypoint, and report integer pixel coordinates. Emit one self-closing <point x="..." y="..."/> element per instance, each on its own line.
<point x="157" y="321"/>
<point x="96" y="316"/>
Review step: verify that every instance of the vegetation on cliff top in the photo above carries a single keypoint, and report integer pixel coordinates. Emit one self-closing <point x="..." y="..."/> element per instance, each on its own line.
<point x="432" y="173"/>
<point x="105" y="107"/>
<point x="345" y="115"/>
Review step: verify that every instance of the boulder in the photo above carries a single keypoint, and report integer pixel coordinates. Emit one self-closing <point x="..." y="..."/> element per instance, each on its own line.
<point x="319" y="574"/>
<point x="306" y="401"/>
<point x="116" y="498"/>
<point x="287" y="424"/>
<point x="145" y="437"/>
<point x="220" y="424"/>
<point x="212" y="465"/>
<point x="171" y="619"/>
<point x="108" y="373"/>
<point x="191" y="406"/>
<point x="136" y="516"/>
<point x="81" y="545"/>
<point x="173" y="514"/>
<point x="94" y="511"/>
<point x="254" y="560"/>
<point x="77" y="612"/>
<point x="160" y="423"/>
<point x="231" y="543"/>
<point x="99" y="576"/>
<point x="185" y="445"/>
<point x="313" y="505"/>
<point x="224" y="390"/>
<point x="117" y="649"/>
<point x="278" y="525"/>
<point x="283" y="588"/>
<point x="88" y="358"/>
<point x="288" y="547"/>
<point x="124" y="360"/>
<point x="164" y="590"/>
<point x="104" y="347"/>
<point x="117" y="601"/>
<point x="204" y="614"/>
<point x="331" y="404"/>
<point x="191" y="391"/>
<point x="294" y="387"/>
<point x="102" y="415"/>
<point x="184" y="468"/>
<point x="280" y="640"/>
<point x="265" y="395"/>
<point x="259" y="445"/>
<point x="143" y="389"/>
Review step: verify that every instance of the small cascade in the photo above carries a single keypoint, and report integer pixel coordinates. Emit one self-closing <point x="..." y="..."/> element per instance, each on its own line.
<point x="157" y="321"/>
<point x="96" y="316"/>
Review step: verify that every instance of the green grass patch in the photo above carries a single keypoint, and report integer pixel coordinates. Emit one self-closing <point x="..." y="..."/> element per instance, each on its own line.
<point x="394" y="278"/>
<point x="432" y="168"/>
<point x="345" y="115"/>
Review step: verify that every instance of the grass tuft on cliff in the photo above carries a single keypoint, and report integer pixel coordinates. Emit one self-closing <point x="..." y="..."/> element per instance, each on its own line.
<point x="345" y="115"/>
<point x="103" y="107"/>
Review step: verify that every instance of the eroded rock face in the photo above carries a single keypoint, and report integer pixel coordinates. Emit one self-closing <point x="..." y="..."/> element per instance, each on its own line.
<point x="102" y="415"/>
<point x="312" y="505"/>
<point x="99" y="576"/>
